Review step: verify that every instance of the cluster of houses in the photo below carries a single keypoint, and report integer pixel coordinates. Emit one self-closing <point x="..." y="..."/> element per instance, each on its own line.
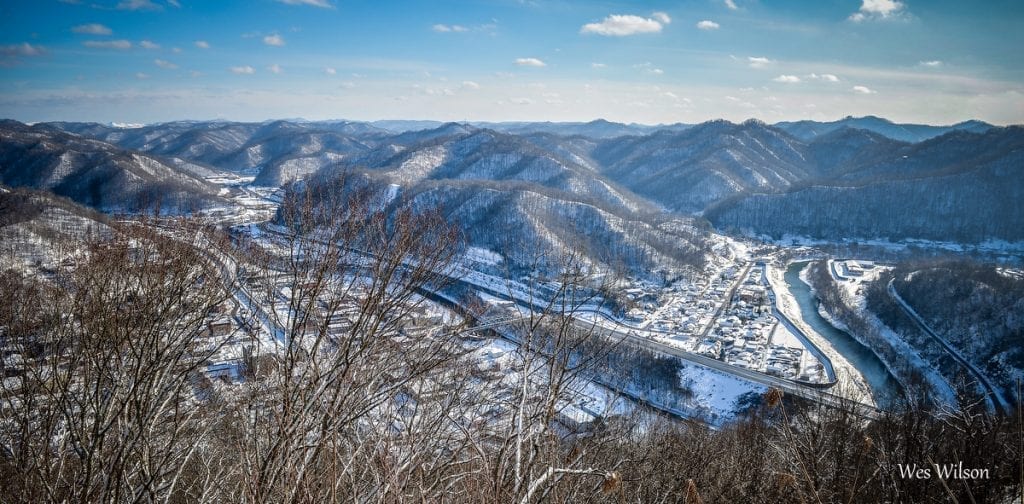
<point x="685" y="309"/>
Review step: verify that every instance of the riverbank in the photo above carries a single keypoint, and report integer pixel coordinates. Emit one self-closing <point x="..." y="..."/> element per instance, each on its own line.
<point x="851" y="383"/>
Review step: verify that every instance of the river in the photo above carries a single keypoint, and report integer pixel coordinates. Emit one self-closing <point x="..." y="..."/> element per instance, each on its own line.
<point x="884" y="386"/>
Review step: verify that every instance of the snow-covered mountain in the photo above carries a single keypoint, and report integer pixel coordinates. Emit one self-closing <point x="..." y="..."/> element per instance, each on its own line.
<point x="274" y="151"/>
<point x="95" y="173"/>
<point x="527" y="201"/>
<point x="864" y="177"/>
<point x="457" y="152"/>
<point x="688" y="171"/>
<point x="38" y="225"/>
<point x="963" y="187"/>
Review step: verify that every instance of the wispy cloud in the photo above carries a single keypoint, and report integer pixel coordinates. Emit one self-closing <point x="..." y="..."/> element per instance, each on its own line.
<point x="12" y="54"/>
<point x="141" y="76"/>
<point x="598" y="65"/>
<point x="147" y="44"/>
<point x="108" y="44"/>
<point x="23" y="49"/>
<point x="92" y="29"/>
<point x="470" y="85"/>
<point x="707" y="25"/>
<point x="444" y="28"/>
<point x="731" y="5"/>
<point x="202" y="44"/>
<point x="649" y="68"/>
<point x="134" y="5"/>
<point x="165" y="64"/>
<point x="621" y="25"/>
<point x="823" y="77"/>
<point x="877" y="9"/>
<point x="274" y="40"/>
<point x="330" y="71"/>
<point x="530" y="62"/>
<point x="932" y="64"/>
<point x="787" y="79"/>
<point x="863" y="90"/>
<point x="323" y="4"/>
<point x="759" y="61"/>
<point x="275" y="69"/>
<point x="242" y="70"/>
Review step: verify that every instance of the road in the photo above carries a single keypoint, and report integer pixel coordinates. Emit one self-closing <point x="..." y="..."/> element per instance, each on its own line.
<point x="996" y="400"/>
<point x="787" y="386"/>
<point x="726" y="301"/>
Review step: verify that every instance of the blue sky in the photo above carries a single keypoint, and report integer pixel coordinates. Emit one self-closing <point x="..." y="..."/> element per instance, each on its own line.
<point x="651" y="62"/>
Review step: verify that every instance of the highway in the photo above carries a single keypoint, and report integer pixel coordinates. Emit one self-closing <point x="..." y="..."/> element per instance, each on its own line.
<point x="787" y="386"/>
<point x="997" y="401"/>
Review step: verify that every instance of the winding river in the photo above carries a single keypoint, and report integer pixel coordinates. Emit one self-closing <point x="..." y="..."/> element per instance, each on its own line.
<point x="883" y="385"/>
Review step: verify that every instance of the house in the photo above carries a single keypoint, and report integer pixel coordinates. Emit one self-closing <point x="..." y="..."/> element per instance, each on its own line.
<point x="219" y="327"/>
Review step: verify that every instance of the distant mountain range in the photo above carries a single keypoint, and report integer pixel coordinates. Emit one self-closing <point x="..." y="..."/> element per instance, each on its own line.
<point x="857" y="178"/>
<point x="809" y="130"/>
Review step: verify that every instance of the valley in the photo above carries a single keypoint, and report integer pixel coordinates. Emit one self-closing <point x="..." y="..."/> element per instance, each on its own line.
<point x="534" y="203"/>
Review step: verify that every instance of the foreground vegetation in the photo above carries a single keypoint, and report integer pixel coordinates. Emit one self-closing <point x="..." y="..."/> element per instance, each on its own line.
<point x="111" y="402"/>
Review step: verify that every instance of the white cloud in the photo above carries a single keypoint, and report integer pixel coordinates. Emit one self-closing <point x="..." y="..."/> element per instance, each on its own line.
<point x="521" y="101"/>
<point x="176" y="50"/>
<point x="23" y="49"/>
<point x="137" y="5"/>
<point x="661" y="17"/>
<point x="933" y="63"/>
<point x="347" y="85"/>
<point x="274" y="40"/>
<point x="330" y="71"/>
<point x="598" y="65"/>
<point x="147" y="44"/>
<point x="108" y="44"/>
<point x="443" y="28"/>
<point x="11" y="54"/>
<point x="621" y="25"/>
<point x="758" y="61"/>
<point x="656" y="71"/>
<point x="174" y="3"/>
<point x="242" y="70"/>
<point x="707" y="25"/>
<point x="877" y="9"/>
<point x="670" y="94"/>
<point x="788" y="79"/>
<point x="531" y="62"/>
<point x="275" y="68"/>
<point x="92" y="29"/>
<point x="470" y="85"/>
<point x="323" y="4"/>
<point x="863" y="90"/>
<point x="823" y="77"/>
<point x="202" y="44"/>
<point x="731" y="5"/>
<point x="141" y="76"/>
<point x="165" y="64"/>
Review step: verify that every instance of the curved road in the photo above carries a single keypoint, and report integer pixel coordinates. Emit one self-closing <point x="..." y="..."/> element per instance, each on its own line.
<point x="997" y="401"/>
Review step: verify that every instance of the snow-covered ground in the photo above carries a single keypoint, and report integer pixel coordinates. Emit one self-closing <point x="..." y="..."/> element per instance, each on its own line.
<point x="850" y="380"/>
<point x="716" y="392"/>
<point x="853" y="288"/>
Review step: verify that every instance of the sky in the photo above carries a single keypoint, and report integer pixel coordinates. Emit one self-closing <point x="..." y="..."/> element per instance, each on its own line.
<point x="650" y="62"/>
